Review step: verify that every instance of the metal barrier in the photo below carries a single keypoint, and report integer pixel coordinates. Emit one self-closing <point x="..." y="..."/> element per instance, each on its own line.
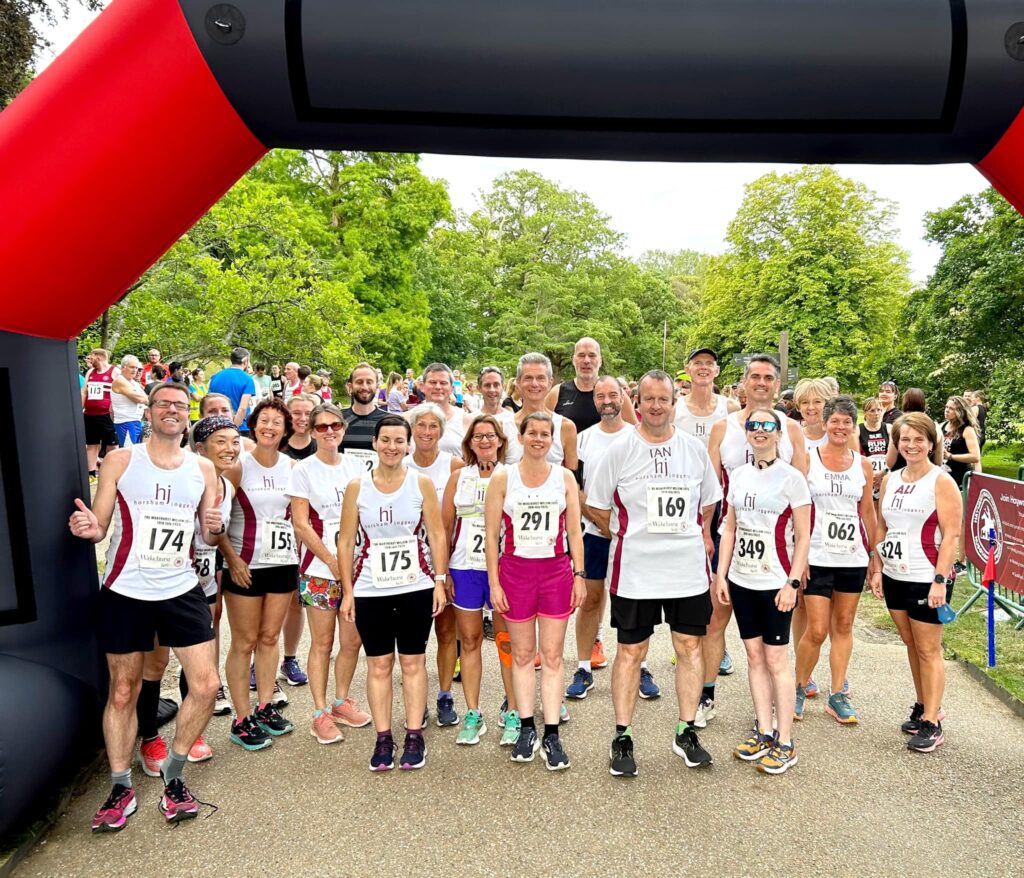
<point x="1008" y="600"/>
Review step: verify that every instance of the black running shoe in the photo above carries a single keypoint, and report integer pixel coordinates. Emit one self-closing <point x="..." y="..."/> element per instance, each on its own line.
<point x="526" y="746"/>
<point x="248" y="734"/>
<point x="928" y="737"/>
<point x="620" y="758"/>
<point x="414" y="753"/>
<point x="488" y="629"/>
<point x="913" y="725"/>
<point x="688" y="747"/>
<point x="557" y="758"/>
<point x="270" y="720"/>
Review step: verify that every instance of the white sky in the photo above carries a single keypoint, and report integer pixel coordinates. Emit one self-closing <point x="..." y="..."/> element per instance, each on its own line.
<point x="675" y="206"/>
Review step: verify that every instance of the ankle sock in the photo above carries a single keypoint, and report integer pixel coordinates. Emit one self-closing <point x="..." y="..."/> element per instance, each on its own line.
<point x="173" y="766"/>
<point x="550" y="729"/>
<point x="121" y="777"/>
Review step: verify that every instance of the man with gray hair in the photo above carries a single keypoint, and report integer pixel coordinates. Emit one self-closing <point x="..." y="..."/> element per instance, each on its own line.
<point x="439" y="384"/>
<point x="237" y="385"/>
<point x="575" y="399"/>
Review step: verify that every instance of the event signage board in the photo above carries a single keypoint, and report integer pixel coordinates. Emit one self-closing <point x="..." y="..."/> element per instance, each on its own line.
<point x="998" y="504"/>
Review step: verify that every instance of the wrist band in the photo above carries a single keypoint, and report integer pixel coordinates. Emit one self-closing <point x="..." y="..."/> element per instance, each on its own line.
<point x="440" y="577"/>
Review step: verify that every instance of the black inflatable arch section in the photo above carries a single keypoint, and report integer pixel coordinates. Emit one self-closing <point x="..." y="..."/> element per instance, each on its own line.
<point x="160" y="105"/>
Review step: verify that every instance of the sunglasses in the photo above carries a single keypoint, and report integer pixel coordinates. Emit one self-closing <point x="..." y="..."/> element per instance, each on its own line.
<point x="335" y="427"/>
<point x="762" y="426"/>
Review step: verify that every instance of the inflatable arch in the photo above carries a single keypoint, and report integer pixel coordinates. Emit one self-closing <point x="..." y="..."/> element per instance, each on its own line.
<point x="160" y="105"/>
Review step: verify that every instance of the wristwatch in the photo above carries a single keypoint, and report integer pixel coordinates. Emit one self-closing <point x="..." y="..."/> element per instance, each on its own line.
<point x="942" y="580"/>
<point x="794" y="583"/>
<point x="579" y="573"/>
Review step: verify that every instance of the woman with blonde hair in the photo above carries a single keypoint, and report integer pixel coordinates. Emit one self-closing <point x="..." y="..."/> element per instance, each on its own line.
<point x="810" y="396"/>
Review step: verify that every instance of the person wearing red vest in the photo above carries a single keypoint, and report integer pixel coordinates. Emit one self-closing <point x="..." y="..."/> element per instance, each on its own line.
<point x="99" y="425"/>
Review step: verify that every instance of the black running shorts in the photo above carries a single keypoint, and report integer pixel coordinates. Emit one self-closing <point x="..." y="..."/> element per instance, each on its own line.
<point x="391" y="622"/>
<point x="129" y="625"/>
<point x="265" y="580"/>
<point x="758" y="617"/>
<point x="822" y="581"/>
<point x="905" y="596"/>
<point x="635" y="618"/>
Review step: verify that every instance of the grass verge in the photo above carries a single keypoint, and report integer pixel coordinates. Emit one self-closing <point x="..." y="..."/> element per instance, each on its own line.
<point x="1002" y="460"/>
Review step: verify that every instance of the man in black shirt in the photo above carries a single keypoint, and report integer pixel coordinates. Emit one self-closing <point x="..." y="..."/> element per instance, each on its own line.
<point x="575" y="399"/>
<point x="362" y="416"/>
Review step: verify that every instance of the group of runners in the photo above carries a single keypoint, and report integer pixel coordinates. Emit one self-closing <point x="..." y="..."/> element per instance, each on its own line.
<point x="687" y="510"/>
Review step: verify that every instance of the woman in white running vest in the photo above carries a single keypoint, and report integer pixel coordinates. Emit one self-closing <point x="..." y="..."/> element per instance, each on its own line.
<point x="127" y="402"/>
<point x="532" y="521"/>
<point x="916" y="537"/>
<point x="428" y="430"/>
<point x="391" y="523"/>
<point x="761" y="559"/>
<point x="810" y="396"/>
<point x="261" y="573"/>
<point x="843" y="516"/>
<point x="317" y="488"/>
<point x="462" y="509"/>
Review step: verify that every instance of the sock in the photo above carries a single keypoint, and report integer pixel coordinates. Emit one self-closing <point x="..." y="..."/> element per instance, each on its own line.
<point x="709" y="692"/>
<point x="319" y="713"/>
<point x="550" y="729"/>
<point x="263" y="706"/>
<point x="183" y="686"/>
<point x="643" y="666"/>
<point x="414" y="733"/>
<point x="600" y="632"/>
<point x="121" y="777"/>
<point x="526" y="722"/>
<point x="288" y="658"/>
<point x="586" y="666"/>
<point x="145" y="709"/>
<point x="173" y="766"/>
<point x="442" y="693"/>
<point x="621" y="730"/>
<point x="386" y="733"/>
<point x="339" y="701"/>
<point x="683" y="725"/>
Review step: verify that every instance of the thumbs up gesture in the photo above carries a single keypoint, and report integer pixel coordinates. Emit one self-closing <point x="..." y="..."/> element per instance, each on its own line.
<point x="211" y="517"/>
<point x="83" y="523"/>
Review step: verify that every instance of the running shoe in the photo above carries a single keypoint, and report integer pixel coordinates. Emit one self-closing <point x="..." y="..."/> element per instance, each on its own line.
<point x="705" y="711"/>
<point x="840" y="709"/>
<point x="457" y="676"/>
<point x="812" y="688"/>
<point x="252" y="677"/>
<point x="648" y="688"/>
<point x="383" y="758"/>
<point x="756" y="746"/>
<point x="221" y="707"/>
<point x="177" y="803"/>
<point x="725" y="668"/>
<point x="114" y="813"/>
<point x="929" y="736"/>
<point x="563" y="713"/>
<point x="846" y="687"/>
<point x="152" y="755"/>
<point x="556" y="758"/>
<point x="527" y="745"/>
<point x="674" y="659"/>
<point x="291" y="673"/>
<point x="511" y="728"/>
<point x="279" y="699"/>
<point x="348" y="713"/>
<point x="503" y="712"/>
<point x="270" y="720"/>
<point x="687" y="745"/>
<point x="620" y="757"/>
<point x="414" y="752"/>
<point x="958" y="568"/>
<point x="778" y="759"/>
<point x="798" y="706"/>
<point x="598" y="659"/>
<point x="248" y="734"/>
<point x="913" y="725"/>
<point x="94" y="480"/>
<point x="200" y="751"/>
<point x="473" y="726"/>
<point x="582" y="683"/>
<point x="488" y="628"/>
<point x="446" y="715"/>
<point x="325" y="730"/>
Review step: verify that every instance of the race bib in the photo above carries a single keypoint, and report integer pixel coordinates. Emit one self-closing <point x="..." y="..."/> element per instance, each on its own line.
<point x="367" y="458"/>
<point x="878" y="464"/>
<point x="332" y="528"/>
<point x="393" y="562"/>
<point x="278" y="545"/>
<point x="750" y="554"/>
<point x="535" y="523"/>
<point x="893" y="551"/>
<point x="839" y="533"/>
<point x="476" y="543"/>
<point x="666" y="509"/>
<point x="94" y="390"/>
<point x="203" y="561"/>
<point x="164" y="540"/>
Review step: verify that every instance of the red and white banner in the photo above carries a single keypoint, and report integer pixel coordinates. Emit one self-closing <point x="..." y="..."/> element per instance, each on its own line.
<point x="998" y="504"/>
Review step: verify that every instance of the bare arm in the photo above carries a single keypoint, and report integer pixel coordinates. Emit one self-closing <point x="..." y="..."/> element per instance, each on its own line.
<point x="243" y="409"/>
<point x="867" y="510"/>
<point x="494" y="502"/>
<point x="802" y="532"/>
<point x="93" y="524"/>
<point x="436" y="539"/>
<point x="123" y="386"/>
<point x="949" y="505"/>
<point x="307" y="536"/>
<point x="628" y="413"/>
<point x="715" y="448"/>
<point x="796" y="436"/>
<point x="551" y="400"/>
<point x="209" y="506"/>
<point x="602" y="518"/>
<point x="570" y="459"/>
<point x="725" y="547"/>
<point x="346" y="548"/>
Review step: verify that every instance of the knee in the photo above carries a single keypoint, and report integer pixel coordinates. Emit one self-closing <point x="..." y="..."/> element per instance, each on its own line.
<point x="523" y="655"/>
<point x="204" y="687"/>
<point x="756" y="658"/>
<point x="551" y="657"/>
<point x="592" y="601"/>
<point x="412" y="664"/>
<point x="379" y="670"/>
<point x="929" y="652"/>
<point x="123" y="693"/>
<point x="629" y="653"/>
<point x="471" y="641"/>
<point x="268" y="639"/>
<point x="445" y="631"/>
<point x="815" y="634"/>
<point x="842" y="625"/>
<point x="687" y="648"/>
<point x="322" y="643"/>
<point x="777" y="661"/>
<point x="243" y="644"/>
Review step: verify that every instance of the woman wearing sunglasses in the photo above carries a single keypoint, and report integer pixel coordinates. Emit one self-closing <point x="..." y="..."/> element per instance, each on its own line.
<point x="760" y="565"/>
<point x="317" y="488"/>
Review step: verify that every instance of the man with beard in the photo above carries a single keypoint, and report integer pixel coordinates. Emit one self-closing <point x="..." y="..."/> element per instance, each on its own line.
<point x="362" y="416"/>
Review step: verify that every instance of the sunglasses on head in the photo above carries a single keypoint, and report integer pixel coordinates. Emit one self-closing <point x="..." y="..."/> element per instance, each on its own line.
<point x="334" y="425"/>
<point x="764" y="426"/>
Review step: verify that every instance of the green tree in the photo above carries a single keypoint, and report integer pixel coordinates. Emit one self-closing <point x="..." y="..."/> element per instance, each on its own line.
<point x="809" y="252"/>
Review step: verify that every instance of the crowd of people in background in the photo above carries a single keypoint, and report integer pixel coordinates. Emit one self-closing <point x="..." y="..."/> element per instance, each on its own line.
<point x="499" y="507"/>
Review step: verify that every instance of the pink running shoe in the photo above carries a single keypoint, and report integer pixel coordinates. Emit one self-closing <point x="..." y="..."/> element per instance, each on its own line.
<point x="200" y="751"/>
<point x="177" y="803"/>
<point x="114" y="813"/>
<point x="153" y="753"/>
<point x="325" y="731"/>
<point x="348" y="713"/>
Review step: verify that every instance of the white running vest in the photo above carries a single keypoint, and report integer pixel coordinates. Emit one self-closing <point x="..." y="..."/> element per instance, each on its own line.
<point x="261" y="530"/>
<point x="910" y="549"/>
<point x="736" y="451"/>
<point x="555" y="455"/>
<point x="534" y="518"/>
<point x="438" y="472"/>
<point x="468" y="542"/>
<point x="699" y="426"/>
<point x="150" y="553"/>
<point x="592" y="444"/>
<point x="838" y="537"/>
<point x="204" y="557"/>
<point x="392" y="553"/>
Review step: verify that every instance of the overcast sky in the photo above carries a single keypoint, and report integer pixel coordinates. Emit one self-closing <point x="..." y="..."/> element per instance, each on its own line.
<point x="676" y="206"/>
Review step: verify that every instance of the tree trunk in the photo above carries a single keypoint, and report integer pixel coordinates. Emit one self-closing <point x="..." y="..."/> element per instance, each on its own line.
<point x="105" y="329"/>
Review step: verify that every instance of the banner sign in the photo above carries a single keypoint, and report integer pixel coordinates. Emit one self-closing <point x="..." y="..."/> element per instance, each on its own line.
<point x="996" y="503"/>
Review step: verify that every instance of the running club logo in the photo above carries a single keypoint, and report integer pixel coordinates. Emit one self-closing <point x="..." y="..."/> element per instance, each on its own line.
<point x="985" y="519"/>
